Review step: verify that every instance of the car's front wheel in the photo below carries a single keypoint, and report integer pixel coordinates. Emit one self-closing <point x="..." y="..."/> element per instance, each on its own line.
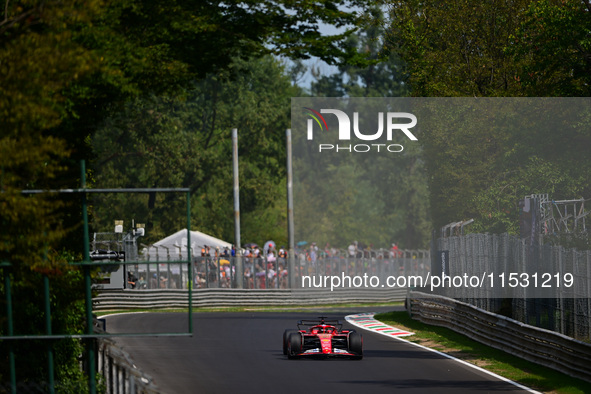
<point x="294" y="345"/>
<point x="286" y="335"/>
<point x="356" y="345"/>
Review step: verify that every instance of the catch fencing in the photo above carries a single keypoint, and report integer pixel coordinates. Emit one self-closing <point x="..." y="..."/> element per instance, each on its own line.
<point x="265" y="273"/>
<point x="567" y="310"/>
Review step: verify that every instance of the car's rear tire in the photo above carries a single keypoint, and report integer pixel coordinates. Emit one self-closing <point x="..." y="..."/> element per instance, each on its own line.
<point x="294" y="345"/>
<point x="356" y="345"/>
<point x="286" y="335"/>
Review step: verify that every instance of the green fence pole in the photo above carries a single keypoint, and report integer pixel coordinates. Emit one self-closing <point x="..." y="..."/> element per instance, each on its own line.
<point x="190" y="262"/>
<point x="50" y="365"/>
<point x="87" y="285"/>
<point x="10" y="330"/>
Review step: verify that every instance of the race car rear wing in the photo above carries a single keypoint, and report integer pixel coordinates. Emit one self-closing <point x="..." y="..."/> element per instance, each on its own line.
<point x="321" y="320"/>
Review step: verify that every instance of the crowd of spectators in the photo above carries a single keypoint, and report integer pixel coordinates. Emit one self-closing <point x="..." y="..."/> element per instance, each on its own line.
<point x="267" y="267"/>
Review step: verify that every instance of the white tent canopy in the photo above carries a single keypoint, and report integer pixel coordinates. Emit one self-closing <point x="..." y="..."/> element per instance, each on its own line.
<point x="174" y="247"/>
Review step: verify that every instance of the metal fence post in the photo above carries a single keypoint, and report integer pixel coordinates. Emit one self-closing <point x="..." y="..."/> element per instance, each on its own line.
<point x="237" y="246"/>
<point x="9" y="328"/>
<point x="50" y="366"/>
<point x="189" y="263"/>
<point x="88" y="285"/>
<point x="561" y="300"/>
<point x="290" y="230"/>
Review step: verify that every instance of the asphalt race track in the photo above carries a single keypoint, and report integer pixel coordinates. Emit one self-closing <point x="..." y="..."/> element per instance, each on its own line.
<point x="242" y="353"/>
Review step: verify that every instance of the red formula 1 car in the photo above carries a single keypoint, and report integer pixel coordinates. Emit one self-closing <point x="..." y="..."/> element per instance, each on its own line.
<point x="322" y="339"/>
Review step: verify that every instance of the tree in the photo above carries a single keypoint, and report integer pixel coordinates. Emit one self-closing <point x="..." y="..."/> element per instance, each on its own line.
<point x="66" y="63"/>
<point x="171" y="142"/>
<point x="31" y="226"/>
<point x="554" y="42"/>
<point x="344" y="194"/>
<point x="545" y="152"/>
<point x="456" y="49"/>
<point x="478" y="165"/>
<point x="484" y="155"/>
<point x="382" y="76"/>
<point x="64" y="66"/>
<point x="391" y="193"/>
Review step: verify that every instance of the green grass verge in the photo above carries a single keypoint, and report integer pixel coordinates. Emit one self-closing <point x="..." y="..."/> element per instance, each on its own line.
<point x="514" y="368"/>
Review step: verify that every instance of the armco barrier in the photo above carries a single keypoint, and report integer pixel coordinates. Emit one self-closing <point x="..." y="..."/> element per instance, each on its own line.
<point x="166" y="298"/>
<point x="120" y="375"/>
<point x="540" y="346"/>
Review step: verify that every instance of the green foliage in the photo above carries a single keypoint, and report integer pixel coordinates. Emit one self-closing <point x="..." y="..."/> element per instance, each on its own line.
<point x="456" y="49"/>
<point x="372" y="199"/>
<point x="498" y="49"/>
<point x="382" y="76"/>
<point x="171" y="142"/>
<point x="30" y="228"/>
<point x="554" y="42"/>
<point x="41" y="59"/>
<point x="326" y="195"/>
<point x="65" y="65"/>
<point x="495" y="49"/>
<point x="66" y="304"/>
<point x="484" y="155"/>
<point x="28" y="222"/>
<point x="498" y="205"/>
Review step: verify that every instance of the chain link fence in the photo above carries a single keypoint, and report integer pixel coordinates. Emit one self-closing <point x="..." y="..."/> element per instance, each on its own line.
<point x="550" y="302"/>
<point x="274" y="273"/>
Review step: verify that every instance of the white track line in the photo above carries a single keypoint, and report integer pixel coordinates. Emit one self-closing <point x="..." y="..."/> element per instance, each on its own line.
<point x="367" y="322"/>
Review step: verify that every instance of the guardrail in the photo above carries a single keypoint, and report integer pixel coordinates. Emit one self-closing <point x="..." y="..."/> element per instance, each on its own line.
<point x="538" y="345"/>
<point x="120" y="374"/>
<point x="213" y="298"/>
